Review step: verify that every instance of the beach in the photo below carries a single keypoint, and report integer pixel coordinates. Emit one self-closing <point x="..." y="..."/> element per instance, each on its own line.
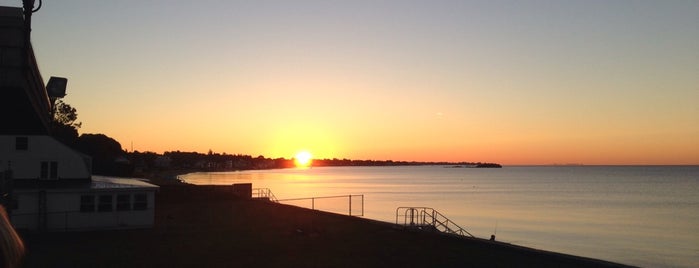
<point x="207" y="226"/>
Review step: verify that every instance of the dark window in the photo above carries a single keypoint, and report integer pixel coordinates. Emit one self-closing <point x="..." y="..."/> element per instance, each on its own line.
<point x="44" y="170"/>
<point x="105" y="204"/>
<point x="54" y="170"/>
<point x="87" y="203"/>
<point x="14" y="203"/>
<point x="49" y="170"/>
<point x="140" y="202"/>
<point x="21" y="143"/>
<point x="123" y="202"/>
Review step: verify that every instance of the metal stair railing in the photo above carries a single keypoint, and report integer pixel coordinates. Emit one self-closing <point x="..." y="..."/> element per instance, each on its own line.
<point x="425" y="218"/>
<point x="264" y="193"/>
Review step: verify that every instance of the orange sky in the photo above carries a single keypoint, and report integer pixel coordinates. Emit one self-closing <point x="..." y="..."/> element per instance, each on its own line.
<point x="512" y="82"/>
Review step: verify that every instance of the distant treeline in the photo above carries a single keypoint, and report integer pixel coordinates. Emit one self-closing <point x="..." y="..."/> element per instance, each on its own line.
<point x="348" y="162"/>
<point x="108" y="158"/>
<point x="143" y="161"/>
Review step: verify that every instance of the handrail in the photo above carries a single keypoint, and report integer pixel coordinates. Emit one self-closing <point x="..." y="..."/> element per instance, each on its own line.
<point x="424" y="217"/>
<point x="264" y="193"/>
<point x="349" y="197"/>
<point x="319" y="197"/>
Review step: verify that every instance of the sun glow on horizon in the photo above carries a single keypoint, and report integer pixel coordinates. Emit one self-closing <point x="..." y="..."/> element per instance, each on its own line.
<point x="303" y="159"/>
<point x="510" y="89"/>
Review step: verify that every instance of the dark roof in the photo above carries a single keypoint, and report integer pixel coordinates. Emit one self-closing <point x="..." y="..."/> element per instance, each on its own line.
<point x="24" y="104"/>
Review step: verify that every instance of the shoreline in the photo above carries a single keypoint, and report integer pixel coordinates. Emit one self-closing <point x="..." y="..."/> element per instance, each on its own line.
<point x="208" y="226"/>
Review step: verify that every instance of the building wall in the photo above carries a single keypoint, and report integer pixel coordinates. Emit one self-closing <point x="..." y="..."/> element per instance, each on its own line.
<point x="26" y="164"/>
<point x="63" y="210"/>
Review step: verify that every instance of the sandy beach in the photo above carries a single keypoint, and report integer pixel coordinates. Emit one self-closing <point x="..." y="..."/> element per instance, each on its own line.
<point x="206" y="226"/>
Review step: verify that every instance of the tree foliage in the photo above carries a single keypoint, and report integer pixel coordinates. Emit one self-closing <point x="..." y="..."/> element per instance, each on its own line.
<point x="64" y="126"/>
<point x="64" y="114"/>
<point x="105" y="152"/>
<point x="108" y="158"/>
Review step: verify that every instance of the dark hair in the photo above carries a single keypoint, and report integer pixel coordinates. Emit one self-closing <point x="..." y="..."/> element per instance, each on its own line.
<point x="11" y="246"/>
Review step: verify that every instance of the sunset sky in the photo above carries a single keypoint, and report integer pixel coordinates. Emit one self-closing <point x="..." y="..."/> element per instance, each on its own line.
<point x="512" y="82"/>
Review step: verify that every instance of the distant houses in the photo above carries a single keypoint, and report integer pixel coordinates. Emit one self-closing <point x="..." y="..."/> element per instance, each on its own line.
<point x="176" y="160"/>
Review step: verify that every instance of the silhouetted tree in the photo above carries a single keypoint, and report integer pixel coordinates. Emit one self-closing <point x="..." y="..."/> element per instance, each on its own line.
<point x="106" y="153"/>
<point x="66" y="134"/>
<point x="66" y="115"/>
<point x="64" y="126"/>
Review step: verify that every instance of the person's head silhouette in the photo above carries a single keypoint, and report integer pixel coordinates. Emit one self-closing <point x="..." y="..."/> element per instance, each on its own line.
<point x="11" y="246"/>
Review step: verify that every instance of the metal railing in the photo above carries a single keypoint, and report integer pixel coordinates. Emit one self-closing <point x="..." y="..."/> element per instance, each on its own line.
<point x="264" y="193"/>
<point x="425" y="218"/>
<point x="351" y="210"/>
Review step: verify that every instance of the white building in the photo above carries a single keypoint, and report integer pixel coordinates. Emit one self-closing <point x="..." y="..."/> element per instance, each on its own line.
<point x="44" y="184"/>
<point x="52" y="189"/>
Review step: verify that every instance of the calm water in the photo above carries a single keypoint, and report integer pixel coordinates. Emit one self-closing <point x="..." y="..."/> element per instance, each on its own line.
<point x="638" y="215"/>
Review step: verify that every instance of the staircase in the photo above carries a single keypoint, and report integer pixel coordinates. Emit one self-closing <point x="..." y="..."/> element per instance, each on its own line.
<point x="428" y="219"/>
<point x="264" y="193"/>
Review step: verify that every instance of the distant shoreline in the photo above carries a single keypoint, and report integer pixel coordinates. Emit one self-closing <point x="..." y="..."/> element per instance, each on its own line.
<point x="170" y="175"/>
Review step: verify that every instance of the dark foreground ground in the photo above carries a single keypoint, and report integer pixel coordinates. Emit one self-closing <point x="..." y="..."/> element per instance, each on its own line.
<point x="197" y="226"/>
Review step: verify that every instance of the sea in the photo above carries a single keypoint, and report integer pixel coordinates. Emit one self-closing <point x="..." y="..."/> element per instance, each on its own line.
<point x="644" y="216"/>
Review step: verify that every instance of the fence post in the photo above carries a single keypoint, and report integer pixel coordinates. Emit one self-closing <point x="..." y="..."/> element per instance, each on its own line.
<point x="313" y="203"/>
<point x="350" y="204"/>
<point x="362" y="205"/>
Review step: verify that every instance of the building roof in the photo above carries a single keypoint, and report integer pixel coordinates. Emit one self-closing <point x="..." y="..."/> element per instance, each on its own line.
<point x="24" y="103"/>
<point x="102" y="182"/>
<point x="97" y="184"/>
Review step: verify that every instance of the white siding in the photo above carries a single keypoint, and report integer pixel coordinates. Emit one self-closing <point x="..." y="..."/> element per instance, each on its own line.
<point x="63" y="211"/>
<point x="27" y="164"/>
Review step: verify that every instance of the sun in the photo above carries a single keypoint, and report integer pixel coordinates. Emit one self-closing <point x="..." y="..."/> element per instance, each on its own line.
<point x="303" y="159"/>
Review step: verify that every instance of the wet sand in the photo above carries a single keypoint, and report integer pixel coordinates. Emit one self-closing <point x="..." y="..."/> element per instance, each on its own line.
<point x="206" y="226"/>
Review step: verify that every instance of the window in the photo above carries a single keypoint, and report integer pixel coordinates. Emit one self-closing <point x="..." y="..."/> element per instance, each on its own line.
<point x="14" y="204"/>
<point x="49" y="170"/>
<point x="87" y="203"/>
<point x="21" y="143"/>
<point x="140" y="202"/>
<point x="53" y="172"/>
<point x="44" y="170"/>
<point x="105" y="204"/>
<point x="123" y="202"/>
